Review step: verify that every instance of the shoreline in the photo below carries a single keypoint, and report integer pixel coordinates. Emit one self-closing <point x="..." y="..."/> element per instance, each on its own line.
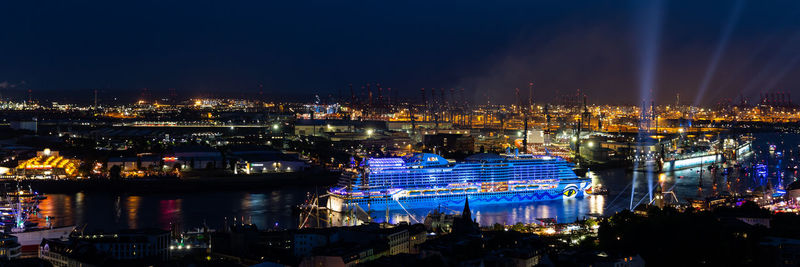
<point x="187" y="184"/>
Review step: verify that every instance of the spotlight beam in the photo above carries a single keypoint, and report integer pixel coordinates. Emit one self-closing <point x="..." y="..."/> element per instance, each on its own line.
<point x="786" y="69"/>
<point x="649" y="26"/>
<point x="775" y="61"/>
<point x="721" y="46"/>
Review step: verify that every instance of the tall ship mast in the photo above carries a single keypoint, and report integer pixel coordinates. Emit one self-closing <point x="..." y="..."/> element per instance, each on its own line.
<point x="428" y="180"/>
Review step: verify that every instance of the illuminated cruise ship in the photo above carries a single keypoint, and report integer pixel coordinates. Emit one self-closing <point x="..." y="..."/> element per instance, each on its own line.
<point x="428" y="180"/>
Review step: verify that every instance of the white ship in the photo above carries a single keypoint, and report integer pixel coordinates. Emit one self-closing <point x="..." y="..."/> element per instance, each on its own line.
<point x="32" y="238"/>
<point x="16" y="220"/>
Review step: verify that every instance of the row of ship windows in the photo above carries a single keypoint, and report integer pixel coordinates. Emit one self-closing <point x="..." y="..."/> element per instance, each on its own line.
<point x="469" y="176"/>
<point x="427" y="198"/>
<point x="461" y="174"/>
<point x="400" y="181"/>
<point x="445" y="175"/>
<point x="411" y="185"/>
<point x="469" y="171"/>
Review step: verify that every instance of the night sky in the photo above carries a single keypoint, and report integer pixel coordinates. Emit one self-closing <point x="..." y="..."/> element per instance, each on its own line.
<point x="63" y="50"/>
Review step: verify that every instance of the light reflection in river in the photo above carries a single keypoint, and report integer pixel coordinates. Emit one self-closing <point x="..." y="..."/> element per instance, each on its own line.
<point x="132" y="206"/>
<point x="266" y="208"/>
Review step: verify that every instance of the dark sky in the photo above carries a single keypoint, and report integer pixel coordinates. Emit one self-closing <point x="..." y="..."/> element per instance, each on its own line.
<point x="65" y="49"/>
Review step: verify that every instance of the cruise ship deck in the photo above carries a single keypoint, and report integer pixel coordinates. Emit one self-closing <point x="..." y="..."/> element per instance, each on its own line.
<point x="428" y="180"/>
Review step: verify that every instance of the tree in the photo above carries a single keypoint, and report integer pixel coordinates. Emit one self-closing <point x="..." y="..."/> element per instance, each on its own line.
<point x="498" y="227"/>
<point x="85" y="169"/>
<point x="114" y="172"/>
<point x="519" y="227"/>
<point x="590" y="223"/>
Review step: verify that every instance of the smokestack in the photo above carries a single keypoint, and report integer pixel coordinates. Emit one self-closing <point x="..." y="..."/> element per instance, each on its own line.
<point x="530" y="96"/>
<point x="424" y="105"/>
<point x="369" y="94"/>
<point x="380" y="94"/>
<point x="789" y="97"/>
<point x="525" y="137"/>
<point x="452" y="97"/>
<point x="352" y="97"/>
<point x="434" y="102"/>
<point x="584" y="101"/>
<point x="463" y="98"/>
<point x="783" y="99"/>
<point x="396" y="97"/>
<point x="173" y="96"/>
<point x="772" y="99"/>
<point x="443" y="101"/>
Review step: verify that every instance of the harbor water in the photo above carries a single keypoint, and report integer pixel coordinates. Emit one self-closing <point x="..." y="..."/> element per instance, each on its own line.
<point x="275" y="207"/>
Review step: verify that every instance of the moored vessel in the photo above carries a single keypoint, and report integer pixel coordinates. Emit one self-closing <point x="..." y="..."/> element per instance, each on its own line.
<point x="428" y="180"/>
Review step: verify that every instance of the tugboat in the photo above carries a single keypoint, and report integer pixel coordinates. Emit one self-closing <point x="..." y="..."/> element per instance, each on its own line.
<point x="597" y="189"/>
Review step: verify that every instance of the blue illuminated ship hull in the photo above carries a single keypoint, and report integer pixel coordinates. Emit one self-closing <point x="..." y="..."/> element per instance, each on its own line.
<point x="428" y="180"/>
<point x="455" y="201"/>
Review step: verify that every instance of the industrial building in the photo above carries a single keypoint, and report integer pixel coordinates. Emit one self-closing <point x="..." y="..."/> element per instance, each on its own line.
<point x="194" y="157"/>
<point x="127" y="247"/>
<point x="321" y="127"/>
<point x="47" y="165"/>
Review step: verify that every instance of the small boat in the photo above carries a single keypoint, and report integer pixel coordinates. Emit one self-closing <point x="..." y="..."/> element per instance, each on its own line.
<point x="598" y="189"/>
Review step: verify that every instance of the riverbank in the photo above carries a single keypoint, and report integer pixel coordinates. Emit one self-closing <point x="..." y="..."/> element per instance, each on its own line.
<point x="186" y="184"/>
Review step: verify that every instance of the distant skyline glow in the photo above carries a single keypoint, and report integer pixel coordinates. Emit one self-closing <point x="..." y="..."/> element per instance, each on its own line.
<point x="708" y="52"/>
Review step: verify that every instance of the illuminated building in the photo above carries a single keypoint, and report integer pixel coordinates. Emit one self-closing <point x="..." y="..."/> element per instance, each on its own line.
<point x="194" y="157"/>
<point x="322" y="127"/>
<point x="131" y="247"/>
<point x="29" y="125"/>
<point x="47" y="165"/>
<point x="428" y="180"/>
<point x="265" y="162"/>
<point x="450" y="142"/>
<point x="9" y="247"/>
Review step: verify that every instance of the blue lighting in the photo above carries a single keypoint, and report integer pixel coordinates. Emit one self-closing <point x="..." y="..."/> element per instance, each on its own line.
<point x="761" y="170"/>
<point x="723" y="43"/>
<point x="428" y="180"/>
<point x="648" y="29"/>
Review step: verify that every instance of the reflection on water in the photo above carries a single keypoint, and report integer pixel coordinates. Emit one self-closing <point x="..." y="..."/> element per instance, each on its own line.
<point x="132" y="206"/>
<point x="105" y="211"/>
<point x="562" y="210"/>
<point x="267" y="209"/>
<point x="169" y="212"/>
<point x="274" y="207"/>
